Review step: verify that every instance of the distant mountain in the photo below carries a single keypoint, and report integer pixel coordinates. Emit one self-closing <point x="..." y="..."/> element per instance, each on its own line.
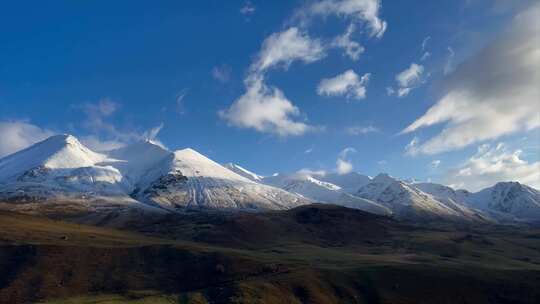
<point x="321" y="191"/>
<point x="244" y="172"/>
<point x="408" y="202"/>
<point x="60" y="176"/>
<point x="508" y="201"/>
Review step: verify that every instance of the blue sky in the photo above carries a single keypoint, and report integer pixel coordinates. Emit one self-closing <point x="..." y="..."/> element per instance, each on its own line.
<point x="114" y="72"/>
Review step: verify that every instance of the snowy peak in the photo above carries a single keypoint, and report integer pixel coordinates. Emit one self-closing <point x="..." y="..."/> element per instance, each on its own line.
<point x="311" y="187"/>
<point x="243" y="172"/>
<point x="56" y="152"/>
<point x="444" y="192"/>
<point x="136" y="160"/>
<point x="189" y="179"/>
<point x="407" y="201"/>
<point x="193" y="164"/>
<point x="509" y="198"/>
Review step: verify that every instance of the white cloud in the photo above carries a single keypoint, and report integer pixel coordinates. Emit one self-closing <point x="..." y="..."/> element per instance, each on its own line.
<point x="222" y="73"/>
<point x="347" y="84"/>
<point x="180" y="107"/>
<point x="285" y="47"/>
<point x="449" y="65"/>
<point x="358" y="10"/>
<point x="409" y="78"/>
<point x="97" y="113"/>
<point x="17" y="135"/>
<point x="308" y="151"/>
<point x="425" y="56"/>
<point x="248" y="9"/>
<point x="310" y="172"/>
<point x="491" y="94"/>
<point x="96" y="144"/>
<point x="425" y="42"/>
<point x="361" y="130"/>
<point x="344" y="166"/>
<point x="435" y="163"/>
<point x="352" y="48"/>
<point x="491" y="165"/>
<point x="266" y="108"/>
<point x="412" y="147"/>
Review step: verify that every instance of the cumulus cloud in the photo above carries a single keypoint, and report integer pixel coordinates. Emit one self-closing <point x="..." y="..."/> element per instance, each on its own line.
<point x="493" y="93"/>
<point x="491" y="165"/>
<point x="364" y="11"/>
<point x="344" y="166"/>
<point x="347" y="84"/>
<point x="17" y="135"/>
<point x="361" y="130"/>
<point x="408" y="79"/>
<point x="222" y="73"/>
<point x="266" y="108"/>
<point x="352" y="48"/>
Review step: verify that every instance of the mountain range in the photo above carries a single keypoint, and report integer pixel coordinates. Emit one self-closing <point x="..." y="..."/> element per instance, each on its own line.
<point x="61" y="177"/>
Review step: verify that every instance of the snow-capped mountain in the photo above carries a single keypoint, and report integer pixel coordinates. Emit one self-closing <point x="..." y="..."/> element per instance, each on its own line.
<point x="508" y="201"/>
<point x="61" y="175"/>
<point x="60" y="171"/>
<point x="321" y="191"/>
<point x="189" y="179"/>
<point x="60" y="164"/>
<point x="407" y="201"/>
<point x="444" y="192"/>
<point x="244" y="172"/>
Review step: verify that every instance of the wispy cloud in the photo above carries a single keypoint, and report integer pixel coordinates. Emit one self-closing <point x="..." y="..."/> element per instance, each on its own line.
<point x="248" y="9"/>
<point x="361" y="130"/>
<point x="352" y="48"/>
<point x="222" y="73"/>
<point x="493" y="93"/>
<point x="409" y="79"/>
<point x="19" y="134"/>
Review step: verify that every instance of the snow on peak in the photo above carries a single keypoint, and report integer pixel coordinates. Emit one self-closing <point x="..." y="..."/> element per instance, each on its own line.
<point x="193" y="163"/>
<point x="384" y="178"/>
<point x="56" y="152"/>
<point x="243" y="172"/>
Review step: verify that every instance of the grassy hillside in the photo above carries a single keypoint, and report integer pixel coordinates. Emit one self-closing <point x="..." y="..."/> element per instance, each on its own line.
<point x="311" y="254"/>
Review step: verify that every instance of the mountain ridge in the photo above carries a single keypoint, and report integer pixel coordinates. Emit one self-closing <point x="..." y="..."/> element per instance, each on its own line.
<point x="61" y="172"/>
